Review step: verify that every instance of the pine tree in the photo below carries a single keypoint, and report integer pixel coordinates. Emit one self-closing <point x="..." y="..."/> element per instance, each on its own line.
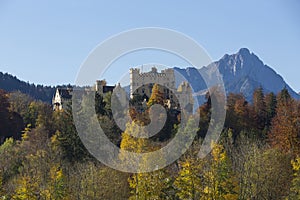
<point x="69" y="141"/>
<point x="4" y="116"/>
<point x="259" y="107"/>
<point x="271" y="103"/>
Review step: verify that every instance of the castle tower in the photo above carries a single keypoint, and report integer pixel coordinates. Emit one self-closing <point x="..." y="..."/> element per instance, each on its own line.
<point x="99" y="86"/>
<point x="134" y="79"/>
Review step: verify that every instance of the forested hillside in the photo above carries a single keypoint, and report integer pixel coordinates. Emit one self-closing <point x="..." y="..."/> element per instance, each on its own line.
<point x="257" y="156"/>
<point x="11" y="83"/>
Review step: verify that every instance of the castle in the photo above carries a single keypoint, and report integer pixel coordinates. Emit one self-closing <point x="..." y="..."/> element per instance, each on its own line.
<point x="140" y="84"/>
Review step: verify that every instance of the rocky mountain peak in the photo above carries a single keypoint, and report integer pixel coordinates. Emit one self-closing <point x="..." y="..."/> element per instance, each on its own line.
<point x="242" y="72"/>
<point x="244" y="52"/>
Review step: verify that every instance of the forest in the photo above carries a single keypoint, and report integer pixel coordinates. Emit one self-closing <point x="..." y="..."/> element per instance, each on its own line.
<point x="257" y="156"/>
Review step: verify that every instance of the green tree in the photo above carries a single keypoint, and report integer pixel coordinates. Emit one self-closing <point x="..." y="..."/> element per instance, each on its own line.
<point x="70" y="143"/>
<point x="271" y="103"/>
<point x="10" y="159"/>
<point x="4" y="116"/>
<point x="204" y="112"/>
<point x="100" y="104"/>
<point x="259" y="107"/>
<point x="19" y="102"/>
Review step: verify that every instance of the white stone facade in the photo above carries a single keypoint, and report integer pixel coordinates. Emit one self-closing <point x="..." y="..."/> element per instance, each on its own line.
<point x="61" y="98"/>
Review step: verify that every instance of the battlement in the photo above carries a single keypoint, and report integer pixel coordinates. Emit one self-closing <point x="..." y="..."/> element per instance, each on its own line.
<point x="137" y="74"/>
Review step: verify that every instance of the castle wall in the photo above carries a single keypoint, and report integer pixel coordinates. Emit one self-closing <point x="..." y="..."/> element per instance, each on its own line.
<point x="145" y="81"/>
<point x="142" y="83"/>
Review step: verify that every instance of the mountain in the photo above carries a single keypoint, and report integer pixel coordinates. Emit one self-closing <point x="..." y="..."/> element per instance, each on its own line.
<point x="11" y="83"/>
<point x="242" y="72"/>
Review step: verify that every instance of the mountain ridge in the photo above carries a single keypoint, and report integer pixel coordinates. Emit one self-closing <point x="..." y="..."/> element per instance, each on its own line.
<point x="241" y="72"/>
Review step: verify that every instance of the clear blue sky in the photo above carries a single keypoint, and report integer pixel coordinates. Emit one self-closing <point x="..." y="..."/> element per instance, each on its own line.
<point x="45" y="43"/>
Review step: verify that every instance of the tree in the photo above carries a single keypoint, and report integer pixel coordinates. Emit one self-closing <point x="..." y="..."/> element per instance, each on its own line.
<point x="271" y="103"/>
<point x="19" y="102"/>
<point x="241" y="151"/>
<point x="28" y="188"/>
<point x="10" y="160"/>
<point x="286" y="124"/>
<point x="204" y="112"/>
<point x="295" y="187"/>
<point x="219" y="181"/>
<point x="4" y="116"/>
<point x="32" y="180"/>
<point x="261" y="181"/>
<point x="157" y="96"/>
<point x="31" y="115"/>
<point x="2" y="190"/>
<point x="237" y="115"/>
<point x="91" y="180"/>
<point x="107" y="100"/>
<point x="284" y="96"/>
<point x="259" y="107"/>
<point x="100" y="104"/>
<point x="151" y="185"/>
<point x="57" y="187"/>
<point x="144" y="185"/>
<point x="189" y="183"/>
<point x="70" y="143"/>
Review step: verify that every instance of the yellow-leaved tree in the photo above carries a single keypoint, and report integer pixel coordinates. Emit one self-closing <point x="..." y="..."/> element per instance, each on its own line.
<point x="143" y="185"/>
<point x="295" y="187"/>
<point x="219" y="181"/>
<point x="157" y="96"/>
<point x="189" y="183"/>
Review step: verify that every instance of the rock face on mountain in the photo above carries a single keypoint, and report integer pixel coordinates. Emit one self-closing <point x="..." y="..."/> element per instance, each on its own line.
<point x="242" y="72"/>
